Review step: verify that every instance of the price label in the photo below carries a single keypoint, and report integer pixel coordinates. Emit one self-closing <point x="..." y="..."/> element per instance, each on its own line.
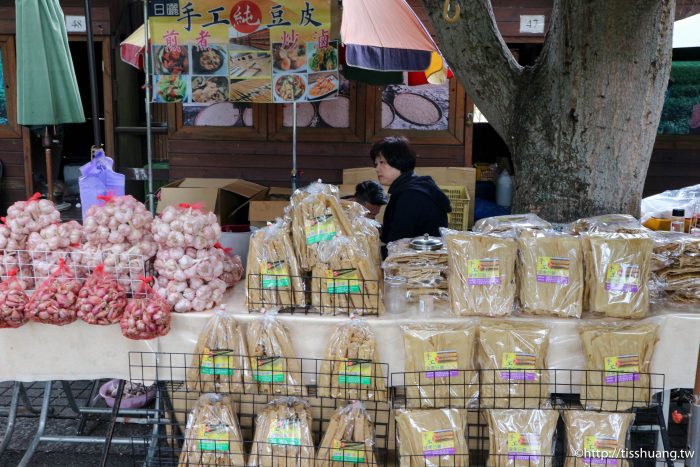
<point x="75" y="24"/>
<point x="532" y="24"/>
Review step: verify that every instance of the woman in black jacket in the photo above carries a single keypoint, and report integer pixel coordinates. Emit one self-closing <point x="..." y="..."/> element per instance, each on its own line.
<point x="416" y="205"/>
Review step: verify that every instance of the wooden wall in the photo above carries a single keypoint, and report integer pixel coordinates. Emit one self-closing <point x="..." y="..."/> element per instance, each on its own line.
<point x="12" y="182"/>
<point x="269" y="163"/>
<point x="267" y="160"/>
<point x="675" y="163"/>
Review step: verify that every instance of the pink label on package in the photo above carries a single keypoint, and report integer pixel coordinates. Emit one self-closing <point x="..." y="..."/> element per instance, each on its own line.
<point x="442" y="374"/>
<point x="484" y="281"/>
<point x="622" y="378"/>
<point x="622" y="287"/>
<point x="553" y="279"/>
<point x="599" y="461"/>
<point x="523" y="457"/>
<point x="517" y="375"/>
<point x="439" y="452"/>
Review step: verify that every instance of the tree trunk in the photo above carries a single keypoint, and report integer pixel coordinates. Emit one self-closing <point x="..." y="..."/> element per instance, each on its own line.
<point x="581" y="123"/>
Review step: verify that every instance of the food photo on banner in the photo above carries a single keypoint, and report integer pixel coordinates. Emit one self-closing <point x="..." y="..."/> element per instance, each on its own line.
<point x="214" y="53"/>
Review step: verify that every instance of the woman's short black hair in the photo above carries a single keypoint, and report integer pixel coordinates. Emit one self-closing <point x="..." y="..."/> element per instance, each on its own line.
<point x="397" y="151"/>
<point x="370" y="191"/>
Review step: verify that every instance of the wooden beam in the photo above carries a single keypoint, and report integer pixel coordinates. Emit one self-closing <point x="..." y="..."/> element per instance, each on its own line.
<point x="27" y="152"/>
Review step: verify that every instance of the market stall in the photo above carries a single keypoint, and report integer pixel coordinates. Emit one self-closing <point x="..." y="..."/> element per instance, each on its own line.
<point x="81" y="351"/>
<point x="312" y="305"/>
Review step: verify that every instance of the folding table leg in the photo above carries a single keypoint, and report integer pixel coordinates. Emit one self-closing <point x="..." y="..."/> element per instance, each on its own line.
<point x="663" y="432"/>
<point x="25" y="400"/>
<point x="112" y="423"/>
<point x="84" y="416"/>
<point x="69" y="397"/>
<point x="153" y="444"/>
<point x="42" y="426"/>
<point x="11" y="417"/>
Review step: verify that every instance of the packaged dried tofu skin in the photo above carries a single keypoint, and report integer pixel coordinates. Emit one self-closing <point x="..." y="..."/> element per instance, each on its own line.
<point x="425" y="271"/>
<point x="213" y="436"/>
<point x="283" y="435"/>
<point x="512" y="356"/>
<point x="317" y="216"/>
<point x="618" y="358"/>
<point x="617" y="274"/>
<point x="432" y="438"/>
<point x="273" y="276"/>
<point x="349" y="439"/>
<point x="440" y="366"/>
<point x="345" y="280"/>
<point x="610" y="223"/>
<point x="274" y="365"/>
<point x="676" y="265"/>
<point x="351" y="369"/>
<point x="481" y="273"/>
<point x="514" y="223"/>
<point x="521" y="437"/>
<point x="364" y="230"/>
<point x="550" y="274"/>
<point x="220" y="362"/>
<point x="599" y="436"/>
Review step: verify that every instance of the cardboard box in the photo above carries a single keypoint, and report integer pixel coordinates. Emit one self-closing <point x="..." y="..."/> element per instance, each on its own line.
<point x="270" y="207"/>
<point x="486" y="172"/>
<point x="347" y="190"/>
<point x="446" y="176"/>
<point x="227" y="198"/>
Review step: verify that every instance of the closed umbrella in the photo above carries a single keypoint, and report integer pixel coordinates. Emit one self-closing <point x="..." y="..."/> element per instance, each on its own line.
<point x="47" y="90"/>
<point x="388" y="36"/>
<point x="131" y="49"/>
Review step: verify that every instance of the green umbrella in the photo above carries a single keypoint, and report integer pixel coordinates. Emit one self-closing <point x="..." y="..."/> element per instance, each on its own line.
<point x="47" y="91"/>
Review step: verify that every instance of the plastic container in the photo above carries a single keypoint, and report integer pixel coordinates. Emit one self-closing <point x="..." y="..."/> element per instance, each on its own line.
<point x="504" y="189"/>
<point x="236" y="237"/>
<point x="426" y="304"/>
<point x="677" y="220"/>
<point x="128" y="402"/>
<point x="395" y="294"/>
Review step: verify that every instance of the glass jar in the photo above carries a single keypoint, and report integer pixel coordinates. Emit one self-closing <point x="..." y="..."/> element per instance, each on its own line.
<point x="678" y="220"/>
<point x="394" y="294"/>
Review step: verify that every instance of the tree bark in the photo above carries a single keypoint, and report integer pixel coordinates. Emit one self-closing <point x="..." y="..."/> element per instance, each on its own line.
<point x="580" y="123"/>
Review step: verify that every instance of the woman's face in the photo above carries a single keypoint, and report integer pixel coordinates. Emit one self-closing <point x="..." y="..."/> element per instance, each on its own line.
<point x="385" y="173"/>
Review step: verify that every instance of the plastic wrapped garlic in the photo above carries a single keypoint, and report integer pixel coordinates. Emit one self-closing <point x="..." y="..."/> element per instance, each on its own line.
<point x="186" y="225"/>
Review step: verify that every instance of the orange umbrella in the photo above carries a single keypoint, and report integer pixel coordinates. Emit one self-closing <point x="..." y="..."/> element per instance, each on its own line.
<point x="387" y="35"/>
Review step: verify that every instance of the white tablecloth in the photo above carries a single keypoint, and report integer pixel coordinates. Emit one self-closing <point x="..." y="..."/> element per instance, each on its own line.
<point x="37" y="352"/>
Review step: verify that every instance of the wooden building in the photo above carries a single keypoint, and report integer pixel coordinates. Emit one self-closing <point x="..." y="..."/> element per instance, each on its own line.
<point x="257" y="146"/>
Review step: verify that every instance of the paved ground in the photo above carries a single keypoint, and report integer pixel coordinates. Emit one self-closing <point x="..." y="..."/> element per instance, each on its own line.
<point x="64" y="422"/>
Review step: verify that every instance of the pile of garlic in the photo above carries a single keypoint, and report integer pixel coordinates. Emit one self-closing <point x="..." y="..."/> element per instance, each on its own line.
<point x="188" y="265"/>
<point x="118" y="234"/>
<point x="24" y="220"/>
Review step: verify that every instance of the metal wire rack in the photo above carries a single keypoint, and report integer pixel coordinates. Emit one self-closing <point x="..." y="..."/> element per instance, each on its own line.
<point x="532" y="388"/>
<point x="222" y="371"/>
<point x="643" y="448"/>
<point x="167" y="448"/>
<point x="321" y="295"/>
<point x="34" y="267"/>
<point x="326" y="384"/>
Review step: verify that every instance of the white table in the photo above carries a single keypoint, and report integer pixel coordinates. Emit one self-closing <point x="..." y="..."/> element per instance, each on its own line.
<point x="38" y="352"/>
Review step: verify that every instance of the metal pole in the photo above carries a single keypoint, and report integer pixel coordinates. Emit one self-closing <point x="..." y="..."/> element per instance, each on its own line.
<point x="294" y="146"/>
<point x="146" y="69"/>
<point x="93" y="76"/>
<point x="694" y="428"/>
